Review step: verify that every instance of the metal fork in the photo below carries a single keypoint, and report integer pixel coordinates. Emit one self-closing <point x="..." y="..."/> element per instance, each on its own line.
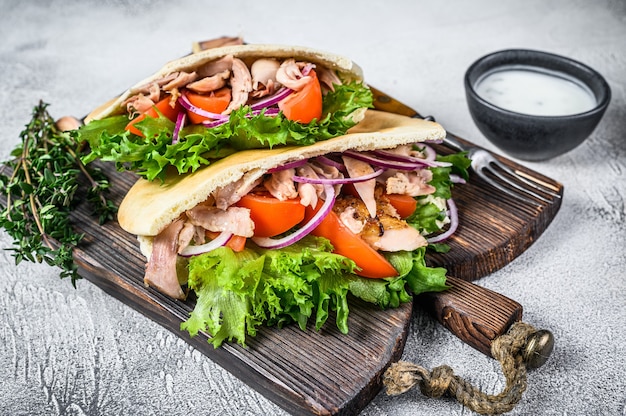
<point x="512" y="182"/>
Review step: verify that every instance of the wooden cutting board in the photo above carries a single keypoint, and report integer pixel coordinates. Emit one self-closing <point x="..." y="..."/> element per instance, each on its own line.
<point x="318" y="372"/>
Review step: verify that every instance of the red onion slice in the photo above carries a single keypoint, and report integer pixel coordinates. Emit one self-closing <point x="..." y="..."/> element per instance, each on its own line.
<point x="457" y="179"/>
<point x="308" y="67"/>
<point x="180" y="122"/>
<point x="214" y="123"/>
<point x="431" y="155"/>
<point x="217" y="242"/>
<point x="280" y="95"/>
<point x="454" y="223"/>
<point x="294" y="164"/>
<point x="408" y="159"/>
<point x="383" y="163"/>
<point x="338" y="181"/>
<point x="324" y="160"/>
<point x="319" y="216"/>
<point x="270" y="112"/>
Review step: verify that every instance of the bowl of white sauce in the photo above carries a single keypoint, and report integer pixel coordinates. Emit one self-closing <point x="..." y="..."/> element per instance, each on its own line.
<point x="535" y="105"/>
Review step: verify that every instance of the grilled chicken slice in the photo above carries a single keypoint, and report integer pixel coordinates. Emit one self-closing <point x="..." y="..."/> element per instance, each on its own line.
<point x="386" y="231"/>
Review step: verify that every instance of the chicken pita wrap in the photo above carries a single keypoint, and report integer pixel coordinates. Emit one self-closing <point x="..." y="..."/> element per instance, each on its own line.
<point x="272" y="236"/>
<point x="208" y="105"/>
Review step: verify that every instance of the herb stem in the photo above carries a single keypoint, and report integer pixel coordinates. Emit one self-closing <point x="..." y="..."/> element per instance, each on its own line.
<point x="83" y="169"/>
<point x="41" y="193"/>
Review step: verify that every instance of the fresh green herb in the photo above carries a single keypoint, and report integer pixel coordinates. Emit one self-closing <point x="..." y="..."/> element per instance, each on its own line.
<point x="39" y="189"/>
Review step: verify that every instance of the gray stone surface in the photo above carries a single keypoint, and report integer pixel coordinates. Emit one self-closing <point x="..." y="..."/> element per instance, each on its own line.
<point x="78" y="351"/>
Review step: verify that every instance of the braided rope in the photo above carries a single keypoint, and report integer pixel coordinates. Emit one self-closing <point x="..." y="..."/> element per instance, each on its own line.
<point x="507" y="349"/>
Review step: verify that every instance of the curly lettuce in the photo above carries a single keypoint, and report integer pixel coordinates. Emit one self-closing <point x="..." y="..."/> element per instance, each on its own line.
<point x="152" y="155"/>
<point x="238" y="292"/>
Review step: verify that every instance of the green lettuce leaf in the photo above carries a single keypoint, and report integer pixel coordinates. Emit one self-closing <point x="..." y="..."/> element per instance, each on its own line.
<point x="428" y="216"/>
<point x="419" y="277"/>
<point x="238" y="292"/>
<point x="152" y="155"/>
<point x="225" y="284"/>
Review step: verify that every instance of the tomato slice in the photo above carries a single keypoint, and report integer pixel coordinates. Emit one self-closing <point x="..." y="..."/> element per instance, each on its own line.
<point x="346" y="243"/>
<point x="404" y="204"/>
<point x="214" y="102"/>
<point x="270" y="215"/>
<point x="163" y="107"/>
<point x="305" y="105"/>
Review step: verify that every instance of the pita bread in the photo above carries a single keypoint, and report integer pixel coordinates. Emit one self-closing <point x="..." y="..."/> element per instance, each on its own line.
<point x="149" y="207"/>
<point x="346" y="68"/>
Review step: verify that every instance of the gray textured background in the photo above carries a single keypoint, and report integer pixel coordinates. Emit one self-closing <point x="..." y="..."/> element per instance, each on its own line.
<point x="74" y="352"/>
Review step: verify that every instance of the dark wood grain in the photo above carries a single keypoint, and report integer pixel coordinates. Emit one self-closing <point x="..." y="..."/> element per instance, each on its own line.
<point x="475" y="314"/>
<point x="326" y="372"/>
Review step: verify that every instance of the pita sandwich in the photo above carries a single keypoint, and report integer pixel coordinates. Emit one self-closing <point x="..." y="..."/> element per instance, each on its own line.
<point x="234" y="97"/>
<point x="150" y="207"/>
<point x="200" y="62"/>
<point x="277" y="205"/>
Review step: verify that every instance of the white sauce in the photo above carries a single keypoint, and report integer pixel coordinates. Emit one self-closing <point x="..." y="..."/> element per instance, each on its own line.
<point x="536" y="93"/>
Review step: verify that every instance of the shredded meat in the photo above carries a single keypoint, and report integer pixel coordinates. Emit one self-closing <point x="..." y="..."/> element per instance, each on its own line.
<point x="264" y="90"/>
<point x="328" y="78"/>
<point x="144" y="98"/>
<point x="407" y="150"/>
<point x="235" y="220"/>
<point x="161" y="268"/>
<point x="414" y="183"/>
<point x="351" y="219"/>
<point x="365" y="189"/>
<point x="290" y="75"/>
<point x="230" y="194"/>
<point x="185" y="236"/>
<point x="180" y="80"/>
<point x="190" y="233"/>
<point x="309" y="193"/>
<point x="138" y="104"/>
<point x="174" y="95"/>
<point x="215" y="67"/>
<point x="153" y="85"/>
<point x="386" y="231"/>
<point x="280" y="184"/>
<point x="241" y="85"/>
<point x="209" y="84"/>
<point x="397" y="237"/>
<point x="327" y="171"/>
<point x="263" y="73"/>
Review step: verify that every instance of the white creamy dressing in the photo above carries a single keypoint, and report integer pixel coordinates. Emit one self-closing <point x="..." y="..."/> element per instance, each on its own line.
<point x="532" y="92"/>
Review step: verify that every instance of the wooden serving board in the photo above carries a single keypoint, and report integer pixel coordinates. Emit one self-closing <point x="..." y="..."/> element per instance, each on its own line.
<point x="319" y="372"/>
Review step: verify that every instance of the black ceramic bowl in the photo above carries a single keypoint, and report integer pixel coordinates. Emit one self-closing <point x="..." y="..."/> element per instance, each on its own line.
<point x="535" y="137"/>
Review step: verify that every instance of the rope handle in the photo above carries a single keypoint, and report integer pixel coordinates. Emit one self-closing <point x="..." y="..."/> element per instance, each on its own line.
<point x="521" y="348"/>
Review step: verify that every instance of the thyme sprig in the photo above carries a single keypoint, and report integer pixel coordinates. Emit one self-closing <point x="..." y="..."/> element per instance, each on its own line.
<point x="41" y="192"/>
